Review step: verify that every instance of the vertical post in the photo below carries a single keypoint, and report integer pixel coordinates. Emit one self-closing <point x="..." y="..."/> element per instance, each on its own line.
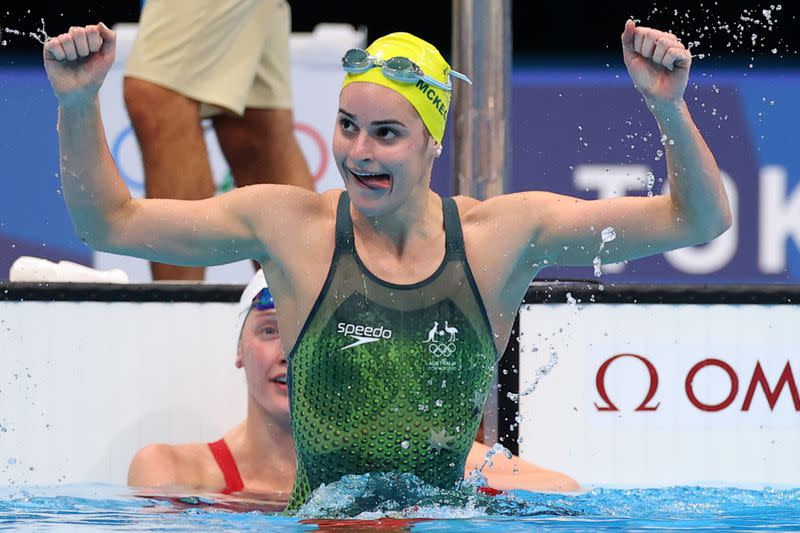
<point x="482" y="50"/>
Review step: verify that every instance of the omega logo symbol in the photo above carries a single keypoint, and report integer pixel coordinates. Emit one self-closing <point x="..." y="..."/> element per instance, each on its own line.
<point x="600" y="381"/>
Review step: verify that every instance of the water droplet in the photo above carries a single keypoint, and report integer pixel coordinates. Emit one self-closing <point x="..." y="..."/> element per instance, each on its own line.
<point x="651" y="180"/>
<point x="596" y="264"/>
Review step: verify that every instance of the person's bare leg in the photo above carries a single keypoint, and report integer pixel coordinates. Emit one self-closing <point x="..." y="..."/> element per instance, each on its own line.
<point x="174" y="154"/>
<point x="261" y="147"/>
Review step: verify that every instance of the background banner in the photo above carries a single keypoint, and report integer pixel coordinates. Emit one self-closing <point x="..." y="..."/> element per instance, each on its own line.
<point x="611" y="392"/>
<point x="661" y="394"/>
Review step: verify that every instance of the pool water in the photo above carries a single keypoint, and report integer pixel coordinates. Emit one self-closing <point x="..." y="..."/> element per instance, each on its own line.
<point x="368" y="504"/>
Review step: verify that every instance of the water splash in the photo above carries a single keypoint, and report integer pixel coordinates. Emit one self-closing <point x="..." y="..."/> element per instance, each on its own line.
<point x="596" y="263"/>
<point x="40" y="35"/>
<point x="607" y="235"/>
<point x="540" y="373"/>
<point x="752" y="30"/>
<point x="394" y="495"/>
<point x="494" y="450"/>
<point x="572" y="301"/>
<point x="651" y="180"/>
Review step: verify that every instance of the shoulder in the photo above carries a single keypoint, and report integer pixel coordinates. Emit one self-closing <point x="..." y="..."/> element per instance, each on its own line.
<point x="287" y="202"/>
<point x="472" y="210"/>
<point x="280" y="216"/>
<point x="329" y="200"/>
<point x="465" y="205"/>
<point x="277" y="199"/>
<point x="166" y="464"/>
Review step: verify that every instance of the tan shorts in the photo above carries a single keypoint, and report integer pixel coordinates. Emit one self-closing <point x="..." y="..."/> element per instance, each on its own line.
<point x="227" y="54"/>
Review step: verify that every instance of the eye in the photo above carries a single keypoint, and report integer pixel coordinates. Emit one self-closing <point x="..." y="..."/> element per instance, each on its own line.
<point x="268" y="331"/>
<point x="346" y="124"/>
<point x="386" y="133"/>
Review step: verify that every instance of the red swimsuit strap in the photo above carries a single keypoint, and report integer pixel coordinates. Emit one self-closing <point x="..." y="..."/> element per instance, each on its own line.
<point x="222" y="454"/>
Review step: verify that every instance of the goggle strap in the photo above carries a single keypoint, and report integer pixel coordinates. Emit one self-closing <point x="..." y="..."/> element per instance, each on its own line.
<point x="436" y="83"/>
<point x="460" y="76"/>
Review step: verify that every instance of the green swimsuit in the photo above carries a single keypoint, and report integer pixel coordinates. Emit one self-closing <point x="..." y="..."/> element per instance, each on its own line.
<point x="387" y="377"/>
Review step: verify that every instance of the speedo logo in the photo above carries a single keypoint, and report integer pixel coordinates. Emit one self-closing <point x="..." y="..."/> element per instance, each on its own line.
<point x="363" y="334"/>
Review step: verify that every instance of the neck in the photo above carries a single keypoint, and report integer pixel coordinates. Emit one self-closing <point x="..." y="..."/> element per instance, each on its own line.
<point x="415" y="217"/>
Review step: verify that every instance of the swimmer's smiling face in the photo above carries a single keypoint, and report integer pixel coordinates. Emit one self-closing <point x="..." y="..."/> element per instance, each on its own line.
<point x="262" y="357"/>
<point x="381" y="147"/>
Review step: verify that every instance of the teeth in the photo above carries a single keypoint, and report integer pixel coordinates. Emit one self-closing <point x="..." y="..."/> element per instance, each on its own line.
<point x="366" y="174"/>
<point x="281" y="379"/>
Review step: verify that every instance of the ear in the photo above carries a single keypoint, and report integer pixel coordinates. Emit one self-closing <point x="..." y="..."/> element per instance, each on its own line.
<point x="239" y="361"/>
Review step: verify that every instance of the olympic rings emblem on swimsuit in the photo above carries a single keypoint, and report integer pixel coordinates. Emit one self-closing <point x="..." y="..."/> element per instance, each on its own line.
<point x="441" y="349"/>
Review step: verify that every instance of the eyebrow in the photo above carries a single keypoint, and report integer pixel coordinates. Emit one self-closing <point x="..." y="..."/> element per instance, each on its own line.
<point x="375" y="123"/>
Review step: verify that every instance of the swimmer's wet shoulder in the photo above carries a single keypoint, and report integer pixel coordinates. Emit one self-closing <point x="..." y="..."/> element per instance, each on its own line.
<point x="181" y="465"/>
<point x="299" y="254"/>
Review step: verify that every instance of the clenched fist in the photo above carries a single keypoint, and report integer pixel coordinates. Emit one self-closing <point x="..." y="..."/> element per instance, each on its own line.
<point x="77" y="61"/>
<point x="657" y="62"/>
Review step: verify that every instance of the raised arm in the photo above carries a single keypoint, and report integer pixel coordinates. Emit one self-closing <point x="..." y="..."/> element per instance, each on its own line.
<point x="564" y="230"/>
<point x="218" y="230"/>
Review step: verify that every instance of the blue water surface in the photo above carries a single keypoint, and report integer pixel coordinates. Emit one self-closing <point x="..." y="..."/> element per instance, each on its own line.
<point x="367" y="504"/>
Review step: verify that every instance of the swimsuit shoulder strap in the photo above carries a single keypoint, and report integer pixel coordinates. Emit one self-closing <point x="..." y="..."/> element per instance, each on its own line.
<point x="345" y="240"/>
<point x="224" y="458"/>
<point x="452" y="228"/>
<point x="456" y="250"/>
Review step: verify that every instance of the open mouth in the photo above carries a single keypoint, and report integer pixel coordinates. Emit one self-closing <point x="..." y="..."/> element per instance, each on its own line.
<point x="280" y="379"/>
<point x="374" y="181"/>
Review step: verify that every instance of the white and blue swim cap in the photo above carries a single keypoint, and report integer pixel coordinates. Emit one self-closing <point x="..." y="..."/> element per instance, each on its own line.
<point x="257" y="288"/>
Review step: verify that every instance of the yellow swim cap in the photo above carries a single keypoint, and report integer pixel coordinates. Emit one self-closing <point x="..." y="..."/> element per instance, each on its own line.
<point x="432" y="103"/>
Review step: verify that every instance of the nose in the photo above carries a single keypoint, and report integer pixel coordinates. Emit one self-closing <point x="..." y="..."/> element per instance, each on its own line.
<point x="361" y="148"/>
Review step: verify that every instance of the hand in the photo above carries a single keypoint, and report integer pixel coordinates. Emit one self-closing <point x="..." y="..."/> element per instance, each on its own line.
<point x="77" y="61"/>
<point x="657" y="63"/>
